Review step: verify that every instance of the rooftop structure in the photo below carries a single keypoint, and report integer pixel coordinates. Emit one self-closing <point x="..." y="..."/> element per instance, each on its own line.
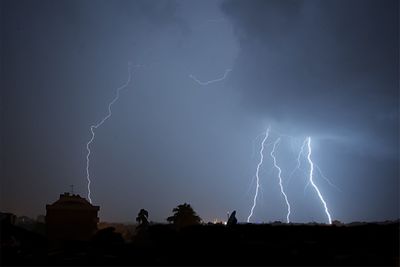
<point x="71" y="218"/>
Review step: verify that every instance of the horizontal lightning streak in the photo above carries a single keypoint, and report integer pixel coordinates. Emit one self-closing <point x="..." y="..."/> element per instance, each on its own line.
<point x="211" y="81"/>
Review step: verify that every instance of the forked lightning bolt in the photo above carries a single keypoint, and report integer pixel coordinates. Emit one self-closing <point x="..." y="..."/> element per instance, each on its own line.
<point x="280" y="179"/>
<point x="298" y="160"/>
<point x="212" y="81"/>
<point x="326" y="178"/>
<point x="312" y="181"/>
<point x="257" y="172"/>
<point x="95" y="126"/>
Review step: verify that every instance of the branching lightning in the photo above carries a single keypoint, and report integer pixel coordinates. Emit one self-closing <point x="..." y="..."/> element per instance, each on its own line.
<point x="211" y="81"/>
<point x="253" y="151"/>
<point x="298" y="160"/>
<point x="95" y="126"/>
<point x="280" y="178"/>
<point x="312" y="182"/>
<point x="326" y="178"/>
<point x="257" y="172"/>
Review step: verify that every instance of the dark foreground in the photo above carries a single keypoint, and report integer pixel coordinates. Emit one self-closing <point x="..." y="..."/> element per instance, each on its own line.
<point x="363" y="245"/>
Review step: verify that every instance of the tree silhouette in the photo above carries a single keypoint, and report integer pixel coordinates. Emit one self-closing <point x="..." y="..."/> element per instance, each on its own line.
<point x="184" y="215"/>
<point x="232" y="219"/>
<point x="142" y="217"/>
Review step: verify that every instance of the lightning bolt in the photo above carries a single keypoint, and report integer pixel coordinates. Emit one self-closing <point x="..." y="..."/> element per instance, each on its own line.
<point x="324" y="177"/>
<point x="211" y="81"/>
<point x="312" y="182"/>
<point x="257" y="172"/>
<point x="298" y="161"/>
<point x="280" y="178"/>
<point x="253" y="151"/>
<point x="95" y="126"/>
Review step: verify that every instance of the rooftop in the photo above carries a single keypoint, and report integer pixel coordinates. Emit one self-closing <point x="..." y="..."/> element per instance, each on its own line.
<point x="68" y="200"/>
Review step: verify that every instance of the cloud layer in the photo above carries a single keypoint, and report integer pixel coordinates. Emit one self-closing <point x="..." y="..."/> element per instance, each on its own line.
<point x="324" y="67"/>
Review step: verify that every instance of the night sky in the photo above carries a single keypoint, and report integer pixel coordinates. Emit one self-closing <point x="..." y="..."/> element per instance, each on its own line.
<point x="326" y="69"/>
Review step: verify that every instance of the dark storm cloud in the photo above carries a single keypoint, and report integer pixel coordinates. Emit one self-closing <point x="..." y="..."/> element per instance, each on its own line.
<point x="322" y="68"/>
<point x="60" y="61"/>
<point x="326" y="67"/>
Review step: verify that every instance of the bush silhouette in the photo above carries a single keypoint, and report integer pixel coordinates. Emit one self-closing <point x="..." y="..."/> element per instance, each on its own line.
<point x="184" y="215"/>
<point x="142" y="217"/>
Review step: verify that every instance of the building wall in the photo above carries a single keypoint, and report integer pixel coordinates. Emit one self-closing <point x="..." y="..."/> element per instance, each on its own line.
<point x="71" y="220"/>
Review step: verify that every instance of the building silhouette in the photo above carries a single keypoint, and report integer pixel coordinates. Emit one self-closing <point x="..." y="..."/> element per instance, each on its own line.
<point x="71" y="218"/>
<point x="7" y="218"/>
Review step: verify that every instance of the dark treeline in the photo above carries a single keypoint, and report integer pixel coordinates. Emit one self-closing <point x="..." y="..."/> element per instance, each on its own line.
<point x="213" y="244"/>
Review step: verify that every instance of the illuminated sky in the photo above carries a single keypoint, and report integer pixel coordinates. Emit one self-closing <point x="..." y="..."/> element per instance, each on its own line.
<point x="326" y="69"/>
